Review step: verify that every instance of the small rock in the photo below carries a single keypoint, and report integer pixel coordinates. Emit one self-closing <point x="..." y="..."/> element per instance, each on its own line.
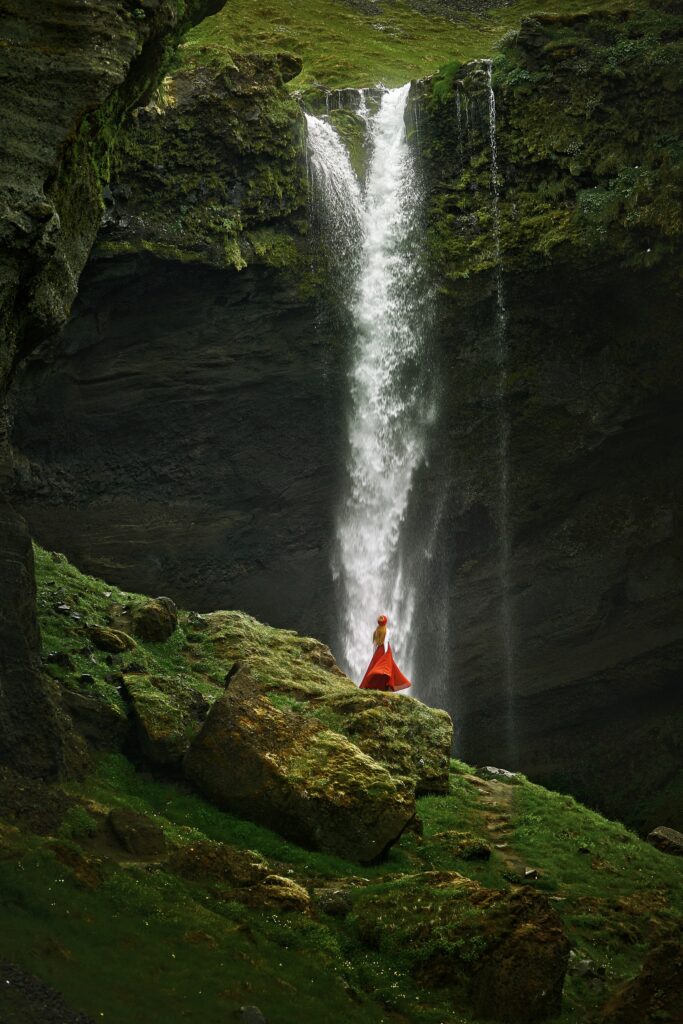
<point x="530" y="874"/>
<point x="113" y="640"/>
<point x="335" y="902"/>
<point x="489" y="772"/>
<point x="207" y="861"/>
<point x="63" y="609"/>
<point x="278" y="893"/>
<point x="156" y="620"/>
<point x="60" y="658"/>
<point x="137" y="833"/>
<point x="250" y="1015"/>
<point x="668" y="840"/>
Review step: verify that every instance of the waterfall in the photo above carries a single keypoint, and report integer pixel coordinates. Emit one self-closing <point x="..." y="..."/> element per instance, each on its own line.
<point x="506" y="625"/>
<point x="389" y="388"/>
<point x="341" y="206"/>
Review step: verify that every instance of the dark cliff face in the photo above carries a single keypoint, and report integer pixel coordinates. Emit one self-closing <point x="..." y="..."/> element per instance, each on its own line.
<point x="210" y="468"/>
<point x="563" y="380"/>
<point x="200" y="451"/>
<point x="70" y="72"/>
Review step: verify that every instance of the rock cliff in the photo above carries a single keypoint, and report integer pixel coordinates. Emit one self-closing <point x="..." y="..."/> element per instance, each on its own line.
<point x="70" y="74"/>
<point x="563" y="376"/>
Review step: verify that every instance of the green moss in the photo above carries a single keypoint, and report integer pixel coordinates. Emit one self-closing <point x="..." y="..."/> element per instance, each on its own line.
<point x="69" y="601"/>
<point x="589" y="166"/>
<point x="213" y="170"/>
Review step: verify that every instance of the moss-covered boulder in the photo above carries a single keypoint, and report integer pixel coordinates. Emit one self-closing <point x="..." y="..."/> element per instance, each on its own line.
<point x="298" y="778"/>
<point x="206" y="861"/>
<point x="155" y="620"/>
<point x="167" y="712"/>
<point x="300" y="673"/>
<point x="137" y="833"/>
<point x="505" y="953"/>
<point x="654" y="995"/>
<point x="114" y="641"/>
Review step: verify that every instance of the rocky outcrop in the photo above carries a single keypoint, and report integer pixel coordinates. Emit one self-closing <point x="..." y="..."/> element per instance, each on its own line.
<point x="167" y="713"/>
<point x="70" y="74"/>
<point x="504" y="953"/>
<point x="155" y="620"/>
<point x="235" y="506"/>
<point x="298" y="778"/>
<point x="654" y="994"/>
<point x="557" y="456"/>
<point x="406" y="736"/>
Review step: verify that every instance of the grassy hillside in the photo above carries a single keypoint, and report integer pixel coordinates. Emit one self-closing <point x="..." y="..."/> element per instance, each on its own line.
<point x="357" y="44"/>
<point x="165" y="937"/>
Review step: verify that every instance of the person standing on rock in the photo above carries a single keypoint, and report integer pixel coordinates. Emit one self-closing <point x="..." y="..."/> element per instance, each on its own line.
<point x="383" y="673"/>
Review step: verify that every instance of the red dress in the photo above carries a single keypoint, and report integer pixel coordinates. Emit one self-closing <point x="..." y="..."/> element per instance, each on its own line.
<point x="383" y="673"/>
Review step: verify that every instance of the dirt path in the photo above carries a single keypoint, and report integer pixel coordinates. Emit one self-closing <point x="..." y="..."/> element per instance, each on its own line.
<point x="498" y="800"/>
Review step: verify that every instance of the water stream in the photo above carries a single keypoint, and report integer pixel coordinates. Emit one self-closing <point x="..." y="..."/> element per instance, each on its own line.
<point x="502" y="355"/>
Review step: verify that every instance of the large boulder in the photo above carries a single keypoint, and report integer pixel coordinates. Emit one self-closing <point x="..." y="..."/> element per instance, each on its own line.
<point x="406" y="736"/>
<point x="155" y="620"/>
<point x="654" y="995"/>
<point x="504" y="953"/>
<point x="308" y="783"/>
<point x="167" y="713"/>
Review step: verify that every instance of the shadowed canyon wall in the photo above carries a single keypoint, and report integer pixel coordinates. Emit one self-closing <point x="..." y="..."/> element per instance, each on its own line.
<point x="70" y="74"/>
<point x="206" y="389"/>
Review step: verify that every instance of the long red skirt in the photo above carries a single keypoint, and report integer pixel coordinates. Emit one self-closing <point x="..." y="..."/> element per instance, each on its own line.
<point x="383" y="673"/>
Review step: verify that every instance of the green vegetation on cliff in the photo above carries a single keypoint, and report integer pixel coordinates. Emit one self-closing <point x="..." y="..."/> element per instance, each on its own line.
<point x="354" y="43"/>
<point x="219" y="912"/>
<point x="588" y="153"/>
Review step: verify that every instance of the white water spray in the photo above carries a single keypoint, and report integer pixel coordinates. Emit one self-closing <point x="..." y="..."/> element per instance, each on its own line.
<point x="388" y="406"/>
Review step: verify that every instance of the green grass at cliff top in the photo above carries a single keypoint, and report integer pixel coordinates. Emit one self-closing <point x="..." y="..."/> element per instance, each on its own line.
<point x="344" y="47"/>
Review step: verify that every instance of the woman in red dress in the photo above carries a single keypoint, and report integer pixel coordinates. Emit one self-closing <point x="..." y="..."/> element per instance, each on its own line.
<point x="383" y="673"/>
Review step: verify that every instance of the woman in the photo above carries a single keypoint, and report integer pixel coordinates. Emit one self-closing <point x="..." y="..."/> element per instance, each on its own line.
<point x="382" y="673"/>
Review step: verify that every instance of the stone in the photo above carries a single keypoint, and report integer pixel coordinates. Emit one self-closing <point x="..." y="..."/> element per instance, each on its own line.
<point x="654" y="995"/>
<point x="406" y="736"/>
<point x="167" y="713"/>
<point x="277" y="893"/>
<point x="155" y="621"/>
<point x="465" y="845"/>
<point x="137" y="833"/>
<point x="219" y="862"/>
<point x="250" y="1015"/>
<point x="668" y="840"/>
<point x="115" y="641"/>
<point x="489" y="772"/>
<point x="100" y="722"/>
<point x="294" y="776"/>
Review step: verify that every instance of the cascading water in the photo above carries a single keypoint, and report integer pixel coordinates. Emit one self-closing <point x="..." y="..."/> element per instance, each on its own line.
<point x="389" y="387"/>
<point x="503" y="434"/>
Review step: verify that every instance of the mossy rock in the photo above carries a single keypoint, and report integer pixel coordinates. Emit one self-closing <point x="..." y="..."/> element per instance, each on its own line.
<point x="298" y="673"/>
<point x="505" y="953"/>
<point x="298" y="778"/>
<point x="167" y="713"/>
